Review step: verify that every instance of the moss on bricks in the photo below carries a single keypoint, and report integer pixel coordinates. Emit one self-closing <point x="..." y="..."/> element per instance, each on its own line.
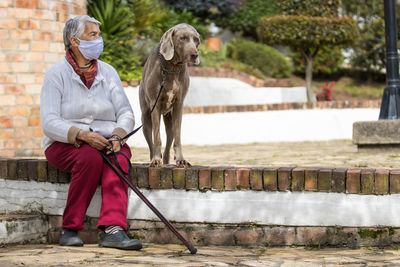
<point x="369" y="233"/>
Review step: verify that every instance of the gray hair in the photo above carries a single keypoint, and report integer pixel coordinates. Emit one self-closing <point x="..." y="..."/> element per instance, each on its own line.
<point x="75" y="27"/>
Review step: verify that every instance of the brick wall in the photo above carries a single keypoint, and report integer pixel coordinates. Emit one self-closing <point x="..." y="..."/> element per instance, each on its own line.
<point x="203" y="178"/>
<point x="30" y="42"/>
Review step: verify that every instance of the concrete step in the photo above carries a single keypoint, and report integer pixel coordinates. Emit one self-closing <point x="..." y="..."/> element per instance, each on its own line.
<point x="23" y="228"/>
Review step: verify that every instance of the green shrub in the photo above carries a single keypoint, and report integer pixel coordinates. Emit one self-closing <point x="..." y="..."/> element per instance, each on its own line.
<point x="263" y="57"/>
<point x="118" y="53"/>
<point x="211" y="58"/>
<point x="117" y="31"/>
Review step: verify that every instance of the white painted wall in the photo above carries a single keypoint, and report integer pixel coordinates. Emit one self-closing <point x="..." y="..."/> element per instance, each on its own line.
<point x="265" y="126"/>
<point x="209" y="91"/>
<point x="270" y="208"/>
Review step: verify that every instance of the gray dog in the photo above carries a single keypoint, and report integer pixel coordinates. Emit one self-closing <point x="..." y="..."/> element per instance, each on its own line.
<point x="167" y="66"/>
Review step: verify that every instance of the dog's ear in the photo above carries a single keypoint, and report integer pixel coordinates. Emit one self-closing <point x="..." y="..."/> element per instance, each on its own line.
<point x="167" y="45"/>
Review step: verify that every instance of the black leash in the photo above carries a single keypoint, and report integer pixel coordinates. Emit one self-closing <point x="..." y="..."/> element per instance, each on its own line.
<point x="125" y="175"/>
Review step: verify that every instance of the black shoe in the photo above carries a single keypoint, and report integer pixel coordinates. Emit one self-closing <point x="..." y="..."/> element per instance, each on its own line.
<point x="70" y="237"/>
<point x="119" y="240"/>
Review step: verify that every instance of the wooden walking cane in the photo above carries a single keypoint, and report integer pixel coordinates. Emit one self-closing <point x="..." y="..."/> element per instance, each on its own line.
<point x="191" y="248"/>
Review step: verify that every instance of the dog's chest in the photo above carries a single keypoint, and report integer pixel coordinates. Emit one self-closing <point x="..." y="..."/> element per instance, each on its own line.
<point x="169" y="96"/>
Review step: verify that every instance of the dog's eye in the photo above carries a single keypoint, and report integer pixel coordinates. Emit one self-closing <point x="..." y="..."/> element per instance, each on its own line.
<point x="183" y="38"/>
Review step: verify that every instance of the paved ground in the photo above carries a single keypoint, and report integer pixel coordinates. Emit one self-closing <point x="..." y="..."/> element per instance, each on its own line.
<point x="176" y="255"/>
<point x="340" y="153"/>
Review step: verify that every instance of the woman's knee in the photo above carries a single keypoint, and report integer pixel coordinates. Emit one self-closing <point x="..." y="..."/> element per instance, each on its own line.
<point x="89" y="157"/>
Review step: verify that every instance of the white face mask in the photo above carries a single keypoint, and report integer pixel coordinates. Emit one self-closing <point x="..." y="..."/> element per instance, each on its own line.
<point x="91" y="49"/>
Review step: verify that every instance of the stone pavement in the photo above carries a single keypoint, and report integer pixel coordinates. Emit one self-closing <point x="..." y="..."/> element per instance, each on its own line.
<point x="176" y="255"/>
<point x="332" y="154"/>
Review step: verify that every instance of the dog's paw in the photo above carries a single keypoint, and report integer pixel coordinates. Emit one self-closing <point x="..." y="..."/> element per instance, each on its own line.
<point x="183" y="164"/>
<point x="155" y="163"/>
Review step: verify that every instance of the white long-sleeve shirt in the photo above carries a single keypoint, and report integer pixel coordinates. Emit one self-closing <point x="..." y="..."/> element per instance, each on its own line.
<point x="67" y="105"/>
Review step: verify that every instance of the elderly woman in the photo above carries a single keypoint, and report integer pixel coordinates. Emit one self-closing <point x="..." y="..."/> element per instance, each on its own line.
<point x="83" y="107"/>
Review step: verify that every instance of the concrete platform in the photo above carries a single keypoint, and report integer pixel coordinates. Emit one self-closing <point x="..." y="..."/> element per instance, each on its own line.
<point x="377" y="135"/>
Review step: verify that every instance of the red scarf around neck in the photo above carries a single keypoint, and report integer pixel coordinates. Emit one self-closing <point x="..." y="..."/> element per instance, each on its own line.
<point x="87" y="76"/>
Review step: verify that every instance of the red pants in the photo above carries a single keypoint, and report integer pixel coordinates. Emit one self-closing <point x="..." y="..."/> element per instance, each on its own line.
<point x="87" y="172"/>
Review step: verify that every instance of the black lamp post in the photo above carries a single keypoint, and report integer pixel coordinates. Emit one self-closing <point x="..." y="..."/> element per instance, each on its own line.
<point x="390" y="107"/>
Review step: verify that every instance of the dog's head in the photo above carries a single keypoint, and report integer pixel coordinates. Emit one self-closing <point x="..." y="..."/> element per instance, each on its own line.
<point x="180" y="43"/>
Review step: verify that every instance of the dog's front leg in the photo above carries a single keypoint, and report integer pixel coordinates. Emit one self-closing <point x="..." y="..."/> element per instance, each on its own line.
<point x="156" y="159"/>
<point x="177" y="119"/>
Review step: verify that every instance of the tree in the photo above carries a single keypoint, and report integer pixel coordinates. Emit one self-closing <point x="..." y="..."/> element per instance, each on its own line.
<point x="369" y="50"/>
<point x="306" y="26"/>
<point x="245" y="19"/>
<point x="205" y="8"/>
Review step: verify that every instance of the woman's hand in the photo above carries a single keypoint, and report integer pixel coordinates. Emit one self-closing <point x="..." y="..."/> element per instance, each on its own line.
<point x="116" y="145"/>
<point x="94" y="139"/>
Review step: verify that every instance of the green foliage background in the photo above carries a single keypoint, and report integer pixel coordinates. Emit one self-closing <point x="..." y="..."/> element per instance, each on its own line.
<point x="262" y="57"/>
<point x="245" y="19"/>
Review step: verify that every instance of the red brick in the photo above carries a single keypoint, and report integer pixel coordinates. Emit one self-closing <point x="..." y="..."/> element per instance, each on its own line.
<point x="178" y="176"/>
<point x="11" y="144"/>
<point x="367" y="181"/>
<point x="27" y="4"/>
<point x="230" y="179"/>
<point x="205" y="178"/>
<point x="166" y="178"/>
<point x="142" y="176"/>
<point x="6" y="133"/>
<point x="324" y="180"/>
<point x="256" y="179"/>
<point x="8" y="23"/>
<point x="28" y="24"/>
<point x="63" y="17"/>
<point x="311" y="179"/>
<point x="39" y="46"/>
<point x="394" y="181"/>
<point x="38" y="68"/>
<point x="154" y="178"/>
<point x="19" y="67"/>
<point x="6" y="123"/>
<point x="338" y="180"/>
<point x="23" y="133"/>
<point x="15" y="57"/>
<point x="6" y="3"/>
<point x="217" y="178"/>
<point x="34" y="121"/>
<point x="15" y="89"/>
<point x="353" y="181"/>
<point x="35" y="111"/>
<point x="24" y="45"/>
<point x="270" y="179"/>
<point x="8" y="78"/>
<point x="192" y="178"/>
<point x="44" y="14"/>
<point x="21" y="34"/>
<point x="20" y="122"/>
<point x="381" y="182"/>
<point x="284" y="178"/>
<point x="3" y="168"/>
<point x="242" y="175"/>
<point x="44" y="36"/>
<point x="297" y="179"/>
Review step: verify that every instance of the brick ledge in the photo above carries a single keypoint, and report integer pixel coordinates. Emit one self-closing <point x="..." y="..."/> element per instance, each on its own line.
<point x="286" y="106"/>
<point x="244" y="234"/>
<point x="203" y="178"/>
